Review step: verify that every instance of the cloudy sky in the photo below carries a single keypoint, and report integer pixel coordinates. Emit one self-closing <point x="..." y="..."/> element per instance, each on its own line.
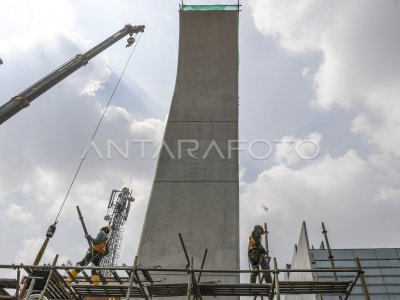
<point x="309" y="69"/>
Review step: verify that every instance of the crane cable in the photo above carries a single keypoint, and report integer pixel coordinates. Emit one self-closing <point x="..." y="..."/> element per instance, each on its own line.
<point x="95" y="131"/>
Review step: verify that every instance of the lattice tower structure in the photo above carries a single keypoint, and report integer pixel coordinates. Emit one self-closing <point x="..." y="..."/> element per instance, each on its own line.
<point x="117" y="214"/>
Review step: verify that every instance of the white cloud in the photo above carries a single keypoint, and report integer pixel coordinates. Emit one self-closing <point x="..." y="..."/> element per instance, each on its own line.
<point x="92" y="88"/>
<point x="290" y="150"/>
<point x="42" y="184"/>
<point x="38" y="166"/>
<point x="359" y="44"/>
<point x="17" y="213"/>
<point x="40" y="19"/>
<point x="43" y="15"/>
<point x="30" y="247"/>
<point x="345" y="192"/>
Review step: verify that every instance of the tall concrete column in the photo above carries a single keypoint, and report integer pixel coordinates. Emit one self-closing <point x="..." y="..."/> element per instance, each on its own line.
<point x="196" y="192"/>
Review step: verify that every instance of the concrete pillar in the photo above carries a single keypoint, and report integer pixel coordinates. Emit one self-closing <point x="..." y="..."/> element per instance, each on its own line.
<point x="196" y="192"/>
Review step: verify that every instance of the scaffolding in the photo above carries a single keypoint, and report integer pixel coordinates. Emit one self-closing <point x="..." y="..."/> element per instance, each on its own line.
<point x="139" y="282"/>
<point x="147" y="282"/>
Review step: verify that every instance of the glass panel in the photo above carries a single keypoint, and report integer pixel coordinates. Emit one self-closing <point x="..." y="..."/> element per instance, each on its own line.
<point x="386" y="253"/>
<point x="343" y="254"/>
<point x="398" y="252"/>
<point x="325" y="264"/>
<point x="368" y="263"/>
<point x="319" y="254"/>
<point x="392" y="280"/>
<point x="377" y="289"/>
<point x="372" y="272"/>
<point x="373" y="280"/>
<point x="348" y="264"/>
<point x="393" y="263"/>
<point x="390" y="271"/>
<point x="393" y="289"/>
<point x="365" y="253"/>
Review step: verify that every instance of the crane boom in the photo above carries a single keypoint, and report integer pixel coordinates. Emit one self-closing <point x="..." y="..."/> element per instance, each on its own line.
<point x="23" y="99"/>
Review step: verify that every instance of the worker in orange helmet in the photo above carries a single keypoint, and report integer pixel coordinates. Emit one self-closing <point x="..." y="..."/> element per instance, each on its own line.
<point x="256" y="253"/>
<point x="95" y="253"/>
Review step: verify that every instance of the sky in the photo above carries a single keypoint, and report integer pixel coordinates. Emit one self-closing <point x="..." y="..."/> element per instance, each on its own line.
<point x="310" y="70"/>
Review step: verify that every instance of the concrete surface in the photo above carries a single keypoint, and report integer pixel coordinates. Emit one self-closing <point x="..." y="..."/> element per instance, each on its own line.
<point x="194" y="195"/>
<point x="301" y="260"/>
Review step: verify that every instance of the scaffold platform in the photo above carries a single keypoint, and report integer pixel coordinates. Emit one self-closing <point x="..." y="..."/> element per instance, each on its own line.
<point x="216" y="290"/>
<point x="8" y="283"/>
<point x="139" y="282"/>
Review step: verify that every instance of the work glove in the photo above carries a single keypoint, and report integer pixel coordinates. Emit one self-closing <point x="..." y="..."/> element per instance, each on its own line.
<point x="88" y="237"/>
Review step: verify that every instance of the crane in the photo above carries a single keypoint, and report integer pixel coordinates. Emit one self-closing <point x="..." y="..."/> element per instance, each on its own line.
<point x="23" y="99"/>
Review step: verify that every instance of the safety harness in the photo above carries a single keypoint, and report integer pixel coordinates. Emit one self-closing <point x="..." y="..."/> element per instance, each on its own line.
<point x="101" y="247"/>
<point x="252" y="244"/>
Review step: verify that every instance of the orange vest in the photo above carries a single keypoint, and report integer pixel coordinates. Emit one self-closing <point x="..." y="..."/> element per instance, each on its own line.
<point x="100" y="247"/>
<point x="252" y="243"/>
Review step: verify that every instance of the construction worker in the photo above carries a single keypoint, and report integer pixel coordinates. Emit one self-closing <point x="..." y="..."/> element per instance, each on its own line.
<point x="95" y="253"/>
<point x="256" y="253"/>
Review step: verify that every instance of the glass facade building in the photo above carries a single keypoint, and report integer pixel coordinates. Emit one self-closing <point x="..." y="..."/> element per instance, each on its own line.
<point x="381" y="268"/>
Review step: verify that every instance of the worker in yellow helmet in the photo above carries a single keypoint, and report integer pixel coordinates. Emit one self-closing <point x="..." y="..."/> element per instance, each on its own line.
<point x="95" y="253"/>
<point x="256" y="253"/>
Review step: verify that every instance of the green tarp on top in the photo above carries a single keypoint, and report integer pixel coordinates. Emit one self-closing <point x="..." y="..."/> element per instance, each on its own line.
<point x="184" y="7"/>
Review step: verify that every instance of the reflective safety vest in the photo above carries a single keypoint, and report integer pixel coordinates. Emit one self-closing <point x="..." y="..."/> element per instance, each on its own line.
<point x="252" y="243"/>
<point x="101" y="247"/>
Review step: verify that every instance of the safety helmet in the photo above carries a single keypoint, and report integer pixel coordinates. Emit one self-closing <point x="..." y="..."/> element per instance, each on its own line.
<point x="261" y="227"/>
<point x="106" y="229"/>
